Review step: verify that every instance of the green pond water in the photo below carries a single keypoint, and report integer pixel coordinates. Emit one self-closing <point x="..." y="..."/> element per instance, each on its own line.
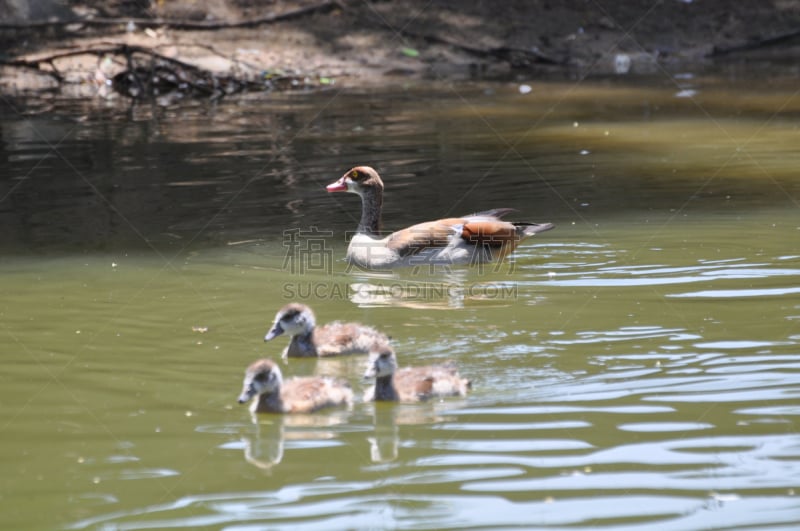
<point x="636" y="368"/>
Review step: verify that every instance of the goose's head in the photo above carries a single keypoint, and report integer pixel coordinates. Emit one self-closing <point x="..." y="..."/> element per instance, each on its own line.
<point x="358" y="180"/>
<point x="381" y="364"/>
<point x="293" y="319"/>
<point x="261" y="377"/>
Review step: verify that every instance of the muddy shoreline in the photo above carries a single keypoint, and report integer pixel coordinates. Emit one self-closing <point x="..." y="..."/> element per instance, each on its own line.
<point x="84" y="49"/>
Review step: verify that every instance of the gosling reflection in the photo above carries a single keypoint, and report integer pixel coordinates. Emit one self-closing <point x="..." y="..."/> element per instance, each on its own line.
<point x="265" y="449"/>
<point x="390" y="419"/>
<point x="266" y="446"/>
<point x="385" y="441"/>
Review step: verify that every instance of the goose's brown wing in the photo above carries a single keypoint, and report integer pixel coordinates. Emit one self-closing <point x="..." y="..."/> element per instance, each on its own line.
<point x="479" y="230"/>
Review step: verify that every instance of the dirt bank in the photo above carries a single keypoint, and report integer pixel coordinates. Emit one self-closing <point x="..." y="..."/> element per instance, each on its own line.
<point x="79" y="47"/>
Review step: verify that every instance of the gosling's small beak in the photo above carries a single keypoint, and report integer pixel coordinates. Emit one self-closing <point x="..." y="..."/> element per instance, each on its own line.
<point x="338" y="186"/>
<point x="246" y="396"/>
<point x="370" y="373"/>
<point x="275" y="332"/>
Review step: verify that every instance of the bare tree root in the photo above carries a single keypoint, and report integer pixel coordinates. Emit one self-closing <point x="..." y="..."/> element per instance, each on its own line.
<point x="767" y="42"/>
<point x="147" y="73"/>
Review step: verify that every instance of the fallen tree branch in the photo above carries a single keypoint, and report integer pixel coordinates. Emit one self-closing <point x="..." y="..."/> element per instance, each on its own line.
<point x="34" y="65"/>
<point x="148" y="73"/>
<point x="110" y="49"/>
<point x="755" y="45"/>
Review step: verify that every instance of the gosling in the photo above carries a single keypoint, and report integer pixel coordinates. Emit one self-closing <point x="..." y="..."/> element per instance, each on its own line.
<point x="333" y="339"/>
<point x="264" y="386"/>
<point x="411" y="384"/>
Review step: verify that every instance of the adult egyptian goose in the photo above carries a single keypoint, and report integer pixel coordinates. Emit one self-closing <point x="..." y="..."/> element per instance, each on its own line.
<point x="264" y="385"/>
<point x="333" y="339"/>
<point x="411" y="384"/>
<point x="473" y="239"/>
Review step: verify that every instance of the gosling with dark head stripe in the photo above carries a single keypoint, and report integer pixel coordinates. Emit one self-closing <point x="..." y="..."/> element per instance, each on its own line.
<point x="411" y="384"/>
<point x="333" y="339"/>
<point x="268" y="393"/>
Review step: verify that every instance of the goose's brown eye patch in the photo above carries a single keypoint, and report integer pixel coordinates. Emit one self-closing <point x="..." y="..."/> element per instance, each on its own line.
<point x="355" y="175"/>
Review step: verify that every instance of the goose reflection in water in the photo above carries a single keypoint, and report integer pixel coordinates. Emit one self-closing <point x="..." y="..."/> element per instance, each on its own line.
<point x="458" y="288"/>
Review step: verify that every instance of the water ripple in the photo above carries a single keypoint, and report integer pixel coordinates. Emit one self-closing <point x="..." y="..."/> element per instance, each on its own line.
<point x="736" y="293"/>
<point x="597" y="275"/>
<point x="628" y="333"/>
<point x="466" y="511"/>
